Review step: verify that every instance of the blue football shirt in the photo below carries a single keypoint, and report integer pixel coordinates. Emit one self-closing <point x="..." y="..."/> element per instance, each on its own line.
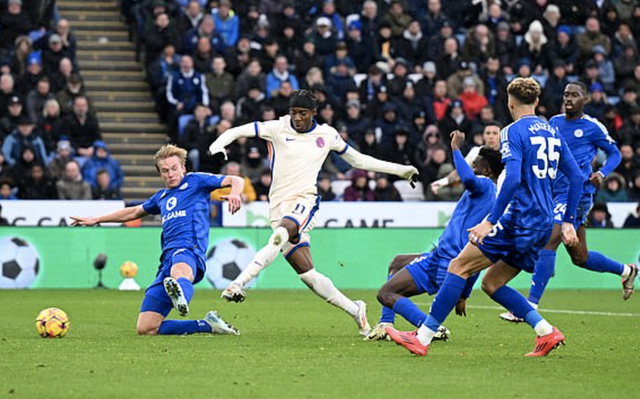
<point x="584" y="136"/>
<point x="185" y="212"/>
<point x="536" y="145"/>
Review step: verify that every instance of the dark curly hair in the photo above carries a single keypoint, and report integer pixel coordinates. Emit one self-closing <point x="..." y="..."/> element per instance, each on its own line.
<point x="493" y="159"/>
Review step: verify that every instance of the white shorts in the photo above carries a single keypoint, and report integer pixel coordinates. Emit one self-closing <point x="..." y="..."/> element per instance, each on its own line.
<point x="302" y="211"/>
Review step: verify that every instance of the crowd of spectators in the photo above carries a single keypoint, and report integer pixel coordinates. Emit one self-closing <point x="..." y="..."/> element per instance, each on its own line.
<point x="50" y="140"/>
<point x="393" y="77"/>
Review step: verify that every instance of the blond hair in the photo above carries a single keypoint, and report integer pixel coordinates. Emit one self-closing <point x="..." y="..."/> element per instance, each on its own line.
<point x="170" y="150"/>
<point x="525" y="90"/>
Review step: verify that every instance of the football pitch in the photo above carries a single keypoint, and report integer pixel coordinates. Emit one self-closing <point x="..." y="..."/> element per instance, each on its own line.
<point x="292" y="345"/>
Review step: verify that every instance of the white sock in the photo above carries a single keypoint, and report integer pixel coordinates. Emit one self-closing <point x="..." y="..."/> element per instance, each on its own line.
<point x="324" y="288"/>
<point x="543" y="328"/>
<point x="534" y="305"/>
<point x="263" y="258"/>
<point x="626" y="272"/>
<point x="425" y="335"/>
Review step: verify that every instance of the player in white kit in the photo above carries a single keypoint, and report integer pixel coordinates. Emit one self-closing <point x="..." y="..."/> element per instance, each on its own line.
<point x="298" y="146"/>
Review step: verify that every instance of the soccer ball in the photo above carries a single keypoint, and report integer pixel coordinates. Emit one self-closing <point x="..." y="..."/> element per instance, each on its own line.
<point x="19" y="263"/>
<point x="52" y="323"/>
<point x="226" y="260"/>
<point x="129" y="269"/>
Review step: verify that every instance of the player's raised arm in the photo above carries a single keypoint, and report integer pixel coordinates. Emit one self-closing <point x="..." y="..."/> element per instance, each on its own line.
<point x="237" y="185"/>
<point x="366" y="162"/>
<point x="467" y="177"/>
<point x="119" y="216"/>
<point x="231" y="135"/>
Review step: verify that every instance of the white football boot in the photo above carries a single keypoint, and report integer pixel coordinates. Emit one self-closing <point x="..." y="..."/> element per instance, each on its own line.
<point x="233" y="293"/>
<point x="361" y="318"/>
<point x="378" y="333"/>
<point x="174" y="291"/>
<point x="219" y="326"/>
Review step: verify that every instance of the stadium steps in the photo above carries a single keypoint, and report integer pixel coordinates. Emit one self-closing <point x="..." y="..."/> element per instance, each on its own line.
<point x="118" y="91"/>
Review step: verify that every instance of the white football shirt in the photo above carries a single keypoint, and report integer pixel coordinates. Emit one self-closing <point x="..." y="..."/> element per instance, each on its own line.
<point x="473" y="154"/>
<point x="296" y="158"/>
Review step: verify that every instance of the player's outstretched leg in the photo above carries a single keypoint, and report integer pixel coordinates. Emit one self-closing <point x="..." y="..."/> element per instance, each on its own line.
<point x="548" y="337"/>
<point x="628" y="279"/>
<point x="263" y="258"/>
<point x="180" y="291"/>
<point x="597" y="262"/>
<point x="212" y="323"/>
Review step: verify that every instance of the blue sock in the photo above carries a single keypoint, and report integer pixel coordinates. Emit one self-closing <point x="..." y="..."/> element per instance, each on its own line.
<point x="183" y="327"/>
<point x="599" y="263"/>
<point x="187" y="287"/>
<point x="541" y="275"/>
<point x="513" y="301"/>
<point x="445" y="300"/>
<point x="533" y="318"/>
<point x="388" y="315"/>
<point x="407" y="309"/>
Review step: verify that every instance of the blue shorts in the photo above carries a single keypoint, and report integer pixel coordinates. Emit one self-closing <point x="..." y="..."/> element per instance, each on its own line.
<point x="155" y="297"/>
<point x="584" y="206"/>
<point x="516" y="247"/>
<point x="428" y="272"/>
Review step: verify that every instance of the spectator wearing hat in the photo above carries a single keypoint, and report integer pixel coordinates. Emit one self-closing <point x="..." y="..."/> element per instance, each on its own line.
<point x="409" y="104"/>
<point x="455" y="119"/>
<point x="323" y="37"/>
<point x="472" y="101"/>
<point x="613" y="190"/>
<point x="597" y="105"/>
<point x="505" y="46"/>
<point x="278" y="74"/>
<point x="606" y="72"/>
<point x="384" y="190"/>
<point x="62" y="156"/>
<point x="82" y="127"/>
<point x="308" y="58"/>
<point x="53" y="53"/>
<point x="436" y="41"/>
<point x="386" y="125"/>
<point x="599" y="217"/>
<point x="360" y="47"/>
<point x="227" y="23"/>
<point x="455" y="82"/>
<point x="411" y="46"/>
<point x="37" y="97"/>
<point x="565" y="47"/>
<point x="355" y="122"/>
<point x="26" y="160"/>
<point x="632" y="221"/>
<point x="102" y="160"/>
<point x="29" y="80"/>
<point x="449" y="61"/>
<point x="424" y="86"/>
<point x="14" y="22"/>
<point x="329" y="11"/>
<point x="478" y="45"/>
<point x="400" y="73"/>
<point x="289" y="41"/>
<point x="20" y="138"/>
<point x="72" y="186"/>
<point x="591" y="74"/>
<point x="359" y="190"/>
<point x="60" y="77"/>
<point x="591" y="38"/>
<point x="37" y="185"/>
<point x="535" y="48"/>
<point x="401" y="150"/>
<point x="73" y="89"/>
<point x="10" y="122"/>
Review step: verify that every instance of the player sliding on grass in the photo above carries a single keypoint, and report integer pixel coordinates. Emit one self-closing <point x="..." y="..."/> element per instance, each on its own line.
<point x="184" y="206"/>
<point x="509" y="242"/>
<point x="298" y="147"/>
<point x="425" y="273"/>
<point x="584" y="136"/>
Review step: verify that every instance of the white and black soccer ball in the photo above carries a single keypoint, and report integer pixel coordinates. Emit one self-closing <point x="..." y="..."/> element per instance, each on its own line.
<point x="226" y="260"/>
<point x="19" y="263"/>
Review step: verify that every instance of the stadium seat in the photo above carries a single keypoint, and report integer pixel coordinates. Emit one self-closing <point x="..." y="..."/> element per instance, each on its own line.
<point x="407" y="192"/>
<point x="415" y="77"/>
<point x="358" y="78"/>
<point x="613" y="100"/>
<point x="182" y="123"/>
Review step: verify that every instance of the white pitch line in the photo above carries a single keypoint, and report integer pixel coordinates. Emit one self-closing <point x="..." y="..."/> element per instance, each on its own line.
<point x="583" y="312"/>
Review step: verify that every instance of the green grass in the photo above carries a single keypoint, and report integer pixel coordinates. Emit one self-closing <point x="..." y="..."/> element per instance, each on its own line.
<point x="295" y="346"/>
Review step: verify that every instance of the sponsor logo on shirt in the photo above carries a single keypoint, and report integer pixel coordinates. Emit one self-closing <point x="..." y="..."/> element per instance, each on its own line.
<point x="320" y="142"/>
<point x="175" y="214"/>
<point x="171" y="203"/>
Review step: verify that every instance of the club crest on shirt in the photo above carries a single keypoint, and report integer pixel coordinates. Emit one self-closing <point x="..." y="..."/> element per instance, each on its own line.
<point x="184" y="186"/>
<point x="320" y="142"/>
<point x="578" y="133"/>
<point x="171" y="203"/>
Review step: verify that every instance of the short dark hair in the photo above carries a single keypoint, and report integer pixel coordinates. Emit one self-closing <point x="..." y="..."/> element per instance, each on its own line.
<point x="581" y="85"/>
<point x="493" y="159"/>
<point x="303" y="99"/>
<point x="493" y="123"/>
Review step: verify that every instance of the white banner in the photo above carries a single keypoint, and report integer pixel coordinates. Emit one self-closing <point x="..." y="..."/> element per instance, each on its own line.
<point x="54" y="212"/>
<point x="379" y="214"/>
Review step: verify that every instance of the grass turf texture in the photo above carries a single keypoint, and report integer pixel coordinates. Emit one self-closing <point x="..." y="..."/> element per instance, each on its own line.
<point x="294" y="345"/>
